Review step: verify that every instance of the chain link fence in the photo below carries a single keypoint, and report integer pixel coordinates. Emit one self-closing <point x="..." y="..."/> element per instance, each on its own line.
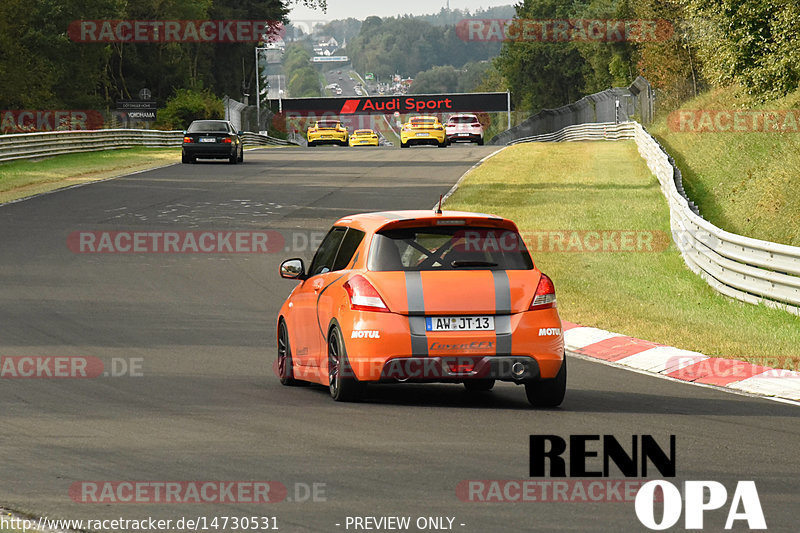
<point x="616" y="105"/>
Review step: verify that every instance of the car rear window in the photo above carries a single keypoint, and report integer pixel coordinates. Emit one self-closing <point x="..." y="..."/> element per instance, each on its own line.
<point x="363" y="132"/>
<point x="208" y="125"/>
<point x="448" y="248"/>
<point x="462" y="120"/>
<point x="327" y="124"/>
<point x="423" y="121"/>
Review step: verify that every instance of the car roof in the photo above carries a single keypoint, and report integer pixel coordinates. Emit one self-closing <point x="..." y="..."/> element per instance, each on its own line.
<point x="384" y="220"/>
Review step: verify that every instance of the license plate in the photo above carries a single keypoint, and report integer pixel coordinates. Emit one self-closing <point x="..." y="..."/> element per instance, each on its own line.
<point x="463" y="134"/>
<point x="208" y="139"/>
<point x="459" y="323"/>
<point x="423" y="134"/>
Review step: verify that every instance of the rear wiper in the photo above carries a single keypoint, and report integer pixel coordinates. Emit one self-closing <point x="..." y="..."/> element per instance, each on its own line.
<point x="457" y="264"/>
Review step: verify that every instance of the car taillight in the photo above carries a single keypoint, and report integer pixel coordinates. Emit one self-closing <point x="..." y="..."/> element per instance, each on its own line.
<point x="187" y="139"/>
<point x="545" y="297"/>
<point x="227" y="140"/>
<point x="363" y="296"/>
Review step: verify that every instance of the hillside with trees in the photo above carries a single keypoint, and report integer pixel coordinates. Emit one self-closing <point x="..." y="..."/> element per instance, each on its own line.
<point x="408" y="45"/>
<point x="42" y="68"/>
<point x="754" y="44"/>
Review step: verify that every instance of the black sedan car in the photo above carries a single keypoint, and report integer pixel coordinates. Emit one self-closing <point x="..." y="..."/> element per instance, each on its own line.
<point x="212" y="139"/>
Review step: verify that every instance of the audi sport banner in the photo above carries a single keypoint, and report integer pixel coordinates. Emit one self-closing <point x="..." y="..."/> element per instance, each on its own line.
<point x="413" y="103"/>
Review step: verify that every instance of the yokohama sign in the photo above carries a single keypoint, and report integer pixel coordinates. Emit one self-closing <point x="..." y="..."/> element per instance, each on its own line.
<point x="417" y="103"/>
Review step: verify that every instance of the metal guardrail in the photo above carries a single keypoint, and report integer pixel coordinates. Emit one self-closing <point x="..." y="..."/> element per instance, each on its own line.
<point x="32" y="145"/>
<point x="617" y="104"/>
<point x="607" y="131"/>
<point x="265" y="140"/>
<point x="750" y="270"/>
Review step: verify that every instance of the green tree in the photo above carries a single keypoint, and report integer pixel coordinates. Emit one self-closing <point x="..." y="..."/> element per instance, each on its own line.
<point x="542" y="74"/>
<point x="755" y="43"/>
<point x="187" y="105"/>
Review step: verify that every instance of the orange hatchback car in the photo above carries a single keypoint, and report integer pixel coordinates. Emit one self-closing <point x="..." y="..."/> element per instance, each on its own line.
<point x="416" y="296"/>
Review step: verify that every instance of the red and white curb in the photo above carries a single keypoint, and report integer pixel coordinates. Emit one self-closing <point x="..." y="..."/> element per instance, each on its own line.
<point x="684" y="365"/>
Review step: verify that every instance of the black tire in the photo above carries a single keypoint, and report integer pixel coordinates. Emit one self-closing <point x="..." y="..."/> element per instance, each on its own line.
<point x="312" y="144"/>
<point x="548" y="392"/>
<point x="442" y="144"/>
<point x="185" y="158"/>
<point x="403" y="145"/>
<point x="233" y="159"/>
<point x="241" y="154"/>
<point x="285" y="369"/>
<point x="479" y="385"/>
<point x="480" y="141"/>
<point x="344" y="386"/>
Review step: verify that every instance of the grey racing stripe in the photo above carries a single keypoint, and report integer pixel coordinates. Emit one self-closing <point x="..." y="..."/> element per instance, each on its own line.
<point x="389" y="214"/>
<point x="416" y="300"/>
<point x="502" y="292"/>
<point x="416" y="311"/>
<point x="502" y="305"/>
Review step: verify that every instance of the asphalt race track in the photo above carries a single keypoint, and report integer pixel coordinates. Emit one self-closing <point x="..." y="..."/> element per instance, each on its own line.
<point x="208" y="407"/>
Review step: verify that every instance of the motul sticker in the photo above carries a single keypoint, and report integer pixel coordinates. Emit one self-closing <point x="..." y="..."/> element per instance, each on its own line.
<point x="547" y="332"/>
<point x="366" y="334"/>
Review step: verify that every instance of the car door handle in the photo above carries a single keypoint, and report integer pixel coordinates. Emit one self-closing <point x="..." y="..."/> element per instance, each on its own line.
<point x="318" y="286"/>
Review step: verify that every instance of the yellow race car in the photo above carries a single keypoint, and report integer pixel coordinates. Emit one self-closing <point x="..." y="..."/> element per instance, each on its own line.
<point x="364" y="138"/>
<point x="423" y="130"/>
<point x="327" y="132"/>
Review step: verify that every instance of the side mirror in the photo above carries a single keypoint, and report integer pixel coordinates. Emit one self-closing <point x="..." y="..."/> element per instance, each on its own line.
<point x="239" y="133"/>
<point x="293" y="269"/>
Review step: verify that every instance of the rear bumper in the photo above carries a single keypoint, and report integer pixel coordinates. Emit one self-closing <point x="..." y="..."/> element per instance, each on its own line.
<point x="433" y="138"/>
<point x="456" y="137"/>
<point x="210" y="150"/>
<point x="448" y="369"/>
<point x="328" y="138"/>
<point x="390" y="346"/>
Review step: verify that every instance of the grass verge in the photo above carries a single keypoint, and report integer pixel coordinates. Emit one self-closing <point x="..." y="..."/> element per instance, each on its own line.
<point x="650" y="294"/>
<point x="19" y="179"/>
<point x="746" y="181"/>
